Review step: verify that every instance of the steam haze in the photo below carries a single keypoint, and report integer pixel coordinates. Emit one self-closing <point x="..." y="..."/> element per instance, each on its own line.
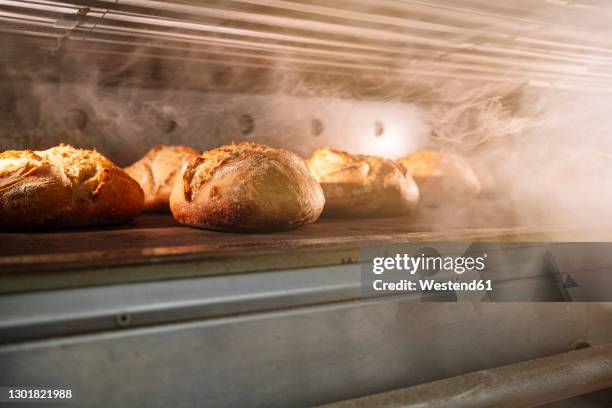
<point x="548" y="151"/>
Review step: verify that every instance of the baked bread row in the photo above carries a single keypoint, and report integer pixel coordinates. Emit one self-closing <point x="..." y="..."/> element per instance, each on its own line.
<point x="353" y="185"/>
<point x="241" y="187"/>
<point x="234" y="188"/>
<point x="358" y="185"/>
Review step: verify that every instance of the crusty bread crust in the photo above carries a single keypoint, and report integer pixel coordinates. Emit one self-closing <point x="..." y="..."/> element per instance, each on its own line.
<point x="64" y="187"/>
<point x="362" y="186"/>
<point x="246" y="187"/>
<point x="156" y="172"/>
<point x="442" y="177"/>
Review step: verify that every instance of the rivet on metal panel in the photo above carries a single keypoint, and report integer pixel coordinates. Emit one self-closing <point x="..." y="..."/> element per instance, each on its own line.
<point x="166" y="124"/>
<point x="170" y="126"/>
<point x="76" y="119"/>
<point x="379" y="128"/>
<point x="317" y="128"/>
<point x="247" y="124"/>
<point x="123" y="319"/>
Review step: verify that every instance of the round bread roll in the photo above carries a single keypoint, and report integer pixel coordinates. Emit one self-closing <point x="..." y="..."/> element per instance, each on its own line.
<point x="156" y="173"/>
<point x="442" y="177"/>
<point x="64" y="187"/>
<point x="246" y="187"/>
<point x="357" y="185"/>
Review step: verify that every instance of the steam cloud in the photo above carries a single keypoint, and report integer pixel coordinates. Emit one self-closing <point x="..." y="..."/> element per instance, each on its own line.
<point x="548" y="152"/>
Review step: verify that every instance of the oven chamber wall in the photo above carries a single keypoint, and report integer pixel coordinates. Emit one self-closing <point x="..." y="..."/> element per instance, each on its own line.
<point x="125" y="120"/>
<point x="525" y="139"/>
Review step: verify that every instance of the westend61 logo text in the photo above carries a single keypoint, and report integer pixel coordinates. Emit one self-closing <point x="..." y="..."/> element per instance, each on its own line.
<point x="433" y="271"/>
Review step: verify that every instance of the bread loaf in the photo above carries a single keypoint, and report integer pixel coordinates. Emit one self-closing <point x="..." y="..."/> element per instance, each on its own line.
<point x="442" y="177"/>
<point x="358" y="185"/>
<point x="246" y="187"/>
<point x="156" y="172"/>
<point x="64" y="187"/>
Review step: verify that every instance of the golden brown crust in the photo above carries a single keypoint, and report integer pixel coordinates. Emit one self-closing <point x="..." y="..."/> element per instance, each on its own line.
<point x="156" y="172"/>
<point x="64" y="187"/>
<point x="246" y="187"/>
<point x="442" y="177"/>
<point x="359" y="185"/>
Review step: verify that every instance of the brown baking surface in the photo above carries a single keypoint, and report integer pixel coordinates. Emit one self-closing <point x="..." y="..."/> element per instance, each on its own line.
<point x="158" y="236"/>
<point x="156" y="247"/>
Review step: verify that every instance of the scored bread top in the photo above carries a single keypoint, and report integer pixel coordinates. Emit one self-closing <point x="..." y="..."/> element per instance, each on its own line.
<point x="201" y="169"/>
<point x="64" y="186"/>
<point x="83" y="170"/>
<point x="246" y="187"/>
<point x="361" y="185"/>
<point x="15" y="165"/>
<point x="427" y="163"/>
<point x="331" y="165"/>
<point x="156" y="172"/>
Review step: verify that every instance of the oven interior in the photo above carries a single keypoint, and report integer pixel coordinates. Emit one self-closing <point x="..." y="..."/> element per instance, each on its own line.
<point x="520" y="89"/>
